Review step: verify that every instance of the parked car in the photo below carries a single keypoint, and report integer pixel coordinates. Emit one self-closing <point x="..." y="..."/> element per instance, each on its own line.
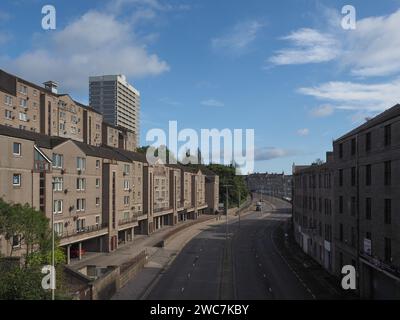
<point x="75" y="252"/>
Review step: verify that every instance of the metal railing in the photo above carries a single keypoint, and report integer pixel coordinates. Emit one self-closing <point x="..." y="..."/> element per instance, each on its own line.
<point x="127" y="221"/>
<point x="395" y="270"/>
<point x="83" y="230"/>
<point x="161" y="209"/>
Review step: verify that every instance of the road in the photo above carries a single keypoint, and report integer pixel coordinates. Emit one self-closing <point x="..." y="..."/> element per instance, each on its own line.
<point x="245" y="265"/>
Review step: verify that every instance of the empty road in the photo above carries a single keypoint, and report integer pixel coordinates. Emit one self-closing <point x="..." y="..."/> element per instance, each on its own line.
<point x="245" y="265"/>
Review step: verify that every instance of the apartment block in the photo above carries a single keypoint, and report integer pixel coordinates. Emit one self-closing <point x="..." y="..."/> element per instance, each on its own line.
<point x="83" y="172"/>
<point x="366" y="194"/>
<point x="117" y="100"/>
<point x="274" y="184"/>
<point x="313" y="206"/>
<point x="30" y="107"/>
<point x="118" y="137"/>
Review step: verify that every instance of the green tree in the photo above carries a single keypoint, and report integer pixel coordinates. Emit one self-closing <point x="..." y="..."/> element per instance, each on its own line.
<point x="35" y="234"/>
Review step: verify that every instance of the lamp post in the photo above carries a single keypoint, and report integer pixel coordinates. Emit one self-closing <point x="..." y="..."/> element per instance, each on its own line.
<point x="53" y="278"/>
<point x="239" y="208"/>
<point x="227" y="207"/>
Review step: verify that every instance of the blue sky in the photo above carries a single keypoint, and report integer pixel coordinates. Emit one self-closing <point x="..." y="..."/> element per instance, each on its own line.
<point x="284" y="68"/>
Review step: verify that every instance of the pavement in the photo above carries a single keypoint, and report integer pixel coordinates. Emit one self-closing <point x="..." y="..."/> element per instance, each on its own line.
<point x="127" y="251"/>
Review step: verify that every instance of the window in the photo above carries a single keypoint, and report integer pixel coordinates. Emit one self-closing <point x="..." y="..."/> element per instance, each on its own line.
<point x="23" y="103"/>
<point x="368" y="208"/>
<point x="126" y="184"/>
<point x="341" y="204"/>
<point x="16" y="149"/>
<point x="58" y="160"/>
<point x="59" y="228"/>
<point x="126" y="215"/>
<point x="388" y="250"/>
<point x="8" y="114"/>
<point x="80" y="204"/>
<point x="353" y="147"/>
<point x="97" y="201"/>
<point x="58" y="183"/>
<point x="34" y="92"/>
<point x="328" y="232"/>
<point x="388" y="173"/>
<point x="57" y="206"/>
<point x="8" y="100"/>
<point x="126" y="169"/>
<point x="16" y="180"/>
<point x="80" y="184"/>
<point x="23" y="89"/>
<point x="388" y="135"/>
<point x="368" y="142"/>
<point x="353" y="237"/>
<point x="341" y="150"/>
<point x="368" y="174"/>
<point x="353" y="206"/>
<point x="97" y="164"/>
<point x="126" y="200"/>
<point x="80" y="163"/>
<point x="388" y="211"/>
<point x="340" y="177"/>
<point x="353" y="176"/>
<point x="97" y="183"/>
<point x="80" y="225"/>
<point x="23" y="116"/>
<point x="97" y="221"/>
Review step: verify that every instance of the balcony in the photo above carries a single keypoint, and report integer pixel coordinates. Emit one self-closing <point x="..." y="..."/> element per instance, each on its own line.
<point x="161" y="211"/>
<point x="126" y="221"/>
<point x="82" y="234"/>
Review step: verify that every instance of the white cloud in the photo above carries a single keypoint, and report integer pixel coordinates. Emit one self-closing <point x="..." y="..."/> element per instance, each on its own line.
<point x="212" y="103"/>
<point x="303" y="132"/>
<point x="268" y="153"/>
<point x="372" y="49"/>
<point x="237" y="40"/>
<point x="357" y="96"/>
<point x="96" y="43"/>
<point x="322" y="111"/>
<point x="309" y="46"/>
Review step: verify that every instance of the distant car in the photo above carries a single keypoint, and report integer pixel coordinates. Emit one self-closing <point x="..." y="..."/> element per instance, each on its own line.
<point x="75" y="252"/>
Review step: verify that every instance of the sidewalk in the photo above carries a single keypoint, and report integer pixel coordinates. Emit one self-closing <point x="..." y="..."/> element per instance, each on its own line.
<point x="323" y="285"/>
<point x="131" y="249"/>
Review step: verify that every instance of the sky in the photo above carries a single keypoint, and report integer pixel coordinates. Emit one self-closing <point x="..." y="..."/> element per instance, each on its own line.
<point x="287" y="69"/>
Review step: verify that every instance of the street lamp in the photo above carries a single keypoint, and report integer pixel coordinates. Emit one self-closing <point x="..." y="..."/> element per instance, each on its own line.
<point x="239" y="208"/>
<point x="53" y="282"/>
<point x="227" y="207"/>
